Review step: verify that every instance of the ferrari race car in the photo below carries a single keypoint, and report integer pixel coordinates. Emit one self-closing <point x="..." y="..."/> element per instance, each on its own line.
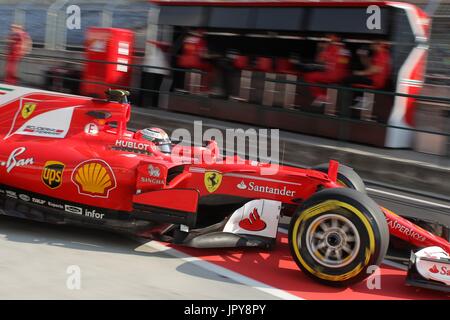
<point x="71" y="159"/>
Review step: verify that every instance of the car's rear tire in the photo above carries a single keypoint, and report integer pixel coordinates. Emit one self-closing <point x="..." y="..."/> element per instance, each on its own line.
<point x="357" y="236"/>
<point x="346" y="177"/>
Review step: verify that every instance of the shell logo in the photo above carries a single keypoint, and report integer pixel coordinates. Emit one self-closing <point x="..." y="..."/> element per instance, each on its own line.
<point x="94" y="178"/>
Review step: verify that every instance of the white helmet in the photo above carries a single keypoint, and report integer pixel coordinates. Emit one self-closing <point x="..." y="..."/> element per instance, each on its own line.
<point x="158" y="136"/>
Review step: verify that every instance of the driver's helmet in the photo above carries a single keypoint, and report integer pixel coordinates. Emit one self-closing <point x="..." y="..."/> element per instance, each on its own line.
<point x="158" y="136"/>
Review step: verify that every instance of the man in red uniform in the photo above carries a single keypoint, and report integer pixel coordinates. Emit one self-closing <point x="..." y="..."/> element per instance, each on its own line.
<point x="195" y="56"/>
<point x="335" y="59"/>
<point x="19" y="44"/>
<point x="195" y="45"/>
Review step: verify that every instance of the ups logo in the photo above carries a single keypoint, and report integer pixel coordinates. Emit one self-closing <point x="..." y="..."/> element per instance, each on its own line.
<point x="52" y="174"/>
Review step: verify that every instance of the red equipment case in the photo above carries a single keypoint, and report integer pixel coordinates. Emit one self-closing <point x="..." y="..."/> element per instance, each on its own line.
<point x="107" y="45"/>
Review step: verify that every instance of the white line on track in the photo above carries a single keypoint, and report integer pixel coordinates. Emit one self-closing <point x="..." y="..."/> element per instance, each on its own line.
<point x="409" y="198"/>
<point x="223" y="271"/>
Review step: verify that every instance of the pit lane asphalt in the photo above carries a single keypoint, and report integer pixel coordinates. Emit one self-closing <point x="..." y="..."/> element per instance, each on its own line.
<point x="35" y="257"/>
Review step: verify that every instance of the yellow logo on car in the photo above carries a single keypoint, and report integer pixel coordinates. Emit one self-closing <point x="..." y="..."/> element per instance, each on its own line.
<point x="27" y="109"/>
<point x="94" y="178"/>
<point x="52" y="174"/>
<point x="212" y="180"/>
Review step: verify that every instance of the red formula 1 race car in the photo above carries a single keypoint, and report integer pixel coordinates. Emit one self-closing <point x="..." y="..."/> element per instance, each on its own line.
<point x="71" y="159"/>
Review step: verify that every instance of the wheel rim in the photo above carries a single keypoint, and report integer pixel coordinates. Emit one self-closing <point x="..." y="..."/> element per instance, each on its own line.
<point x="332" y="240"/>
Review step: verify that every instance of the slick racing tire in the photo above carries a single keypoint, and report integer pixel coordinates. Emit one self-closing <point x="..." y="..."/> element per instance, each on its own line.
<point x="346" y="177"/>
<point x="336" y="235"/>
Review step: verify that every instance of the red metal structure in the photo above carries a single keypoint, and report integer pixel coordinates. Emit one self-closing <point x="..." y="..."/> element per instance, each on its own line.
<point x="109" y="51"/>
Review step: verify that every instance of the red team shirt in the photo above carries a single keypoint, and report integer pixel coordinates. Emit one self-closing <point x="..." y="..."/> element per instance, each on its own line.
<point x="381" y="59"/>
<point x="336" y="59"/>
<point x="16" y="43"/>
<point x="194" y="45"/>
<point x="194" y="50"/>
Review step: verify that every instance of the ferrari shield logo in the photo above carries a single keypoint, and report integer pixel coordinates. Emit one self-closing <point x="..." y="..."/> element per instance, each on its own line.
<point x="213" y="179"/>
<point x="27" y="109"/>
